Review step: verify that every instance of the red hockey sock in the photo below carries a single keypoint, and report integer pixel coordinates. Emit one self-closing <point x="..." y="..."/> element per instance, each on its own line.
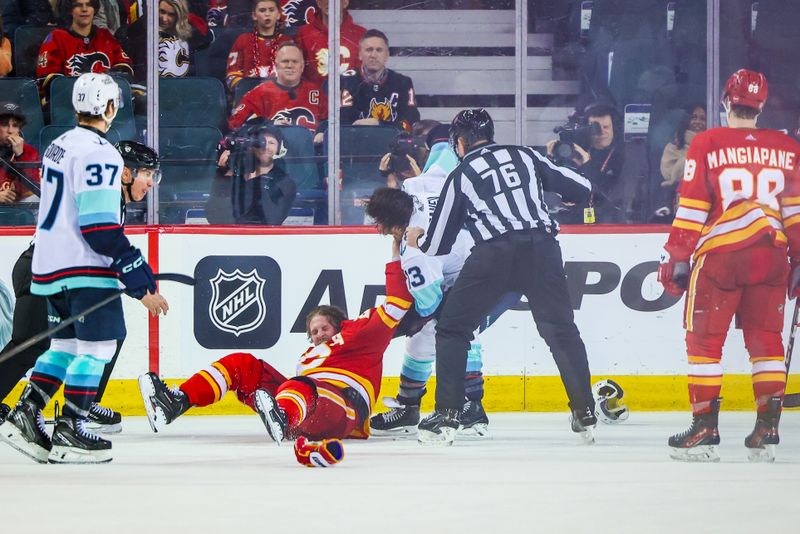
<point x="705" y="383"/>
<point x="769" y="380"/>
<point x="297" y="399"/>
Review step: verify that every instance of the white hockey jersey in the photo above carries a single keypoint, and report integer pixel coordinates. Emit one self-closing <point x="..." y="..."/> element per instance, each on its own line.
<point x="81" y="177"/>
<point x="429" y="276"/>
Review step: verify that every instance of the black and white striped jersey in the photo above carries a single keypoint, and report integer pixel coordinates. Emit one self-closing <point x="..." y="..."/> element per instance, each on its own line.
<point x="498" y="189"/>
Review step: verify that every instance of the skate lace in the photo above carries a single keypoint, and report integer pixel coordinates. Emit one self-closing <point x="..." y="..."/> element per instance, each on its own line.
<point x="101" y="410"/>
<point x="467" y="407"/>
<point x="40" y="421"/>
<point x="395" y="414"/>
<point x="81" y="429"/>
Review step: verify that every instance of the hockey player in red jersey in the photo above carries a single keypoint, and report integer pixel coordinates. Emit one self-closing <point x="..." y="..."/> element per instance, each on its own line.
<point x="313" y="40"/>
<point x="737" y="223"/>
<point x="253" y="53"/>
<point x="287" y="100"/>
<point x="337" y="382"/>
<point x="81" y="49"/>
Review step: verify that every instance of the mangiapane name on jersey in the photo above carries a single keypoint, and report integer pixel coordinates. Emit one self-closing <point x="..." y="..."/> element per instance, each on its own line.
<point x="749" y="155"/>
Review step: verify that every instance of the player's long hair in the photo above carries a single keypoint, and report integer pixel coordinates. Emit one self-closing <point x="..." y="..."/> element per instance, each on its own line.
<point x="389" y="207"/>
<point x="183" y="29"/>
<point x="333" y="314"/>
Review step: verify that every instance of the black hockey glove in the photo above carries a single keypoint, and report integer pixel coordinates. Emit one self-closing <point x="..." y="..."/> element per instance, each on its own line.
<point x="134" y="273"/>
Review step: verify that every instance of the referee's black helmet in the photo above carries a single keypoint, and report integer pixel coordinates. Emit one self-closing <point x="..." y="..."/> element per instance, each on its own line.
<point x="474" y="125"/>
<point x="138" y="156"/>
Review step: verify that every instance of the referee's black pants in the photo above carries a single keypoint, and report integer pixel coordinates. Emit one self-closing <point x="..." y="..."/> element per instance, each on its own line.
<point x="30" y="318"/>
<point x="528" y="262"/>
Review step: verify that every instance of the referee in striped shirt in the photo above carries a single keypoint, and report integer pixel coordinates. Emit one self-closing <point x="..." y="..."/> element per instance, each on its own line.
<point x="496" y="192"/>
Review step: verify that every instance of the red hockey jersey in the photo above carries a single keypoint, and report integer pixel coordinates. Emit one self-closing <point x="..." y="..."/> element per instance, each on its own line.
<point x="64" y="52"/>
<point x="253" y="56"/>
<point x="739" y="185"/>
<point x="354" y="357"/>
<point x="297" y="106"/>
<point x="313" y="40"/>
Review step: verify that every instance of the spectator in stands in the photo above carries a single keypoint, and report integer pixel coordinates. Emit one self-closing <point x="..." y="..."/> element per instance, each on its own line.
<point x="313" y="40"/>
<point x="5" y="52"/>
<point x="14" y="150"/>
<point x="285" y="100"/>
<point x="374" y="94"/>
<point x="108" y="16"/>
<point x="178" y="39"/>
<point x="253" y="53"/>
<point x="80" y="49"/>
<point x="18" y="13"/>
<point x="674" y="158"/>
<point x="601" y="162"/>
<point x="258" y="190"/>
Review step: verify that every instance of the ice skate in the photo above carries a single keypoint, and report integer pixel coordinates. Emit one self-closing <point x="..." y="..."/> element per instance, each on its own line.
<point x="698" y="443"/>
<point x="5" y="409"/>
<point x="162" y="404"/>
<point x="439" y="428"/>
<point x="74" y="444"/>
<point x="104" y="420"/>
<point x="271" y="415"/>
<point x="399" y="420"/>
<point x="582" y="421"/>
<point x="24" y="430"/>
<point x="762" y="440"/>
<point x="473" y="419"/>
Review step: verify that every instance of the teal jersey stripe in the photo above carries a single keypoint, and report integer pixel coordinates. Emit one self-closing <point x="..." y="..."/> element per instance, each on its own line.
<point x="99" y="201"/>
<point x="97" y="218"/>
<point x="74" y="282"/>
<point x="427" y="299"/>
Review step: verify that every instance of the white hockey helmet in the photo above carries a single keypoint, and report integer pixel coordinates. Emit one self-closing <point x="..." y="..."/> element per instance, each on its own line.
<point x="609" y="405"/>
<point x="92" y="92"/>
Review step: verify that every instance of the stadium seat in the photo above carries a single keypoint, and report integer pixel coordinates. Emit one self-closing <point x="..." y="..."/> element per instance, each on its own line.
<point x="62" y="113"/>
<point x="195" y="101"/>
<point x="23" y="91"/>
<point x="49" y="133"/>
<point x="188" y="162"/>
<point x="245" y="86"/>
<point x="16" y="216"/>
<point x="300" y="160"/>
<point x="27" y="40"/>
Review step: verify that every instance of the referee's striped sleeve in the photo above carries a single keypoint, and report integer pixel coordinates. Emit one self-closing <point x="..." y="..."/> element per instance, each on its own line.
<point x="562" y="180"/>
<point x="448" y="218"/>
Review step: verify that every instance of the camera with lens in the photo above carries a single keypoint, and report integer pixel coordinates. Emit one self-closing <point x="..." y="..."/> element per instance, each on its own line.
<point x="402" y="146"/>
<point x="577" y="131"/>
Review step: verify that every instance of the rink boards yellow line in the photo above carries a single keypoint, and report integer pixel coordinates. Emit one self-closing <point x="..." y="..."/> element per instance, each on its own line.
<point x="503" y="394"/>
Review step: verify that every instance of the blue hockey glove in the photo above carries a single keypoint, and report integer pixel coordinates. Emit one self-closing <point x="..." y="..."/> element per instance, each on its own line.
<point x="134" y="273"/>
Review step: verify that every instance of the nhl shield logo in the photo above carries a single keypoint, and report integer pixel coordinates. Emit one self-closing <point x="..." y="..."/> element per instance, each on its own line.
<point x="237" y="301"/>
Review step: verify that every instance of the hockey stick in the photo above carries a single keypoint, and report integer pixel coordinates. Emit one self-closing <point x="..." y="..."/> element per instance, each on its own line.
<point x="30" y="184"/>
<point x="168" y="277"/>
<point x="792" y="400"/>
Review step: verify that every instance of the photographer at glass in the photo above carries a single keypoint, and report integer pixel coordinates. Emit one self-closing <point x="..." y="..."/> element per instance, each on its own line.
<point x="13" y="150"/>
<point x="407" y="154"/>
<point x="590" y="142"/>
<point x="258" y="190"/>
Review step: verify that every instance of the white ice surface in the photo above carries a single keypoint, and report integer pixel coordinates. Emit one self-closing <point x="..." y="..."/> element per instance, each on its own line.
<point x="219" y="474"/>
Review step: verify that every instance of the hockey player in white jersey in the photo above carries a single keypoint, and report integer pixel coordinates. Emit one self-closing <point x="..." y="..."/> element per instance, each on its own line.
<point x="428" y="278"/>
<point x="80" y="258"/>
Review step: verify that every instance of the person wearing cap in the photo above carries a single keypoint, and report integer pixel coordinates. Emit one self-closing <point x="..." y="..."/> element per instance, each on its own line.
<point x="14" y="151"/>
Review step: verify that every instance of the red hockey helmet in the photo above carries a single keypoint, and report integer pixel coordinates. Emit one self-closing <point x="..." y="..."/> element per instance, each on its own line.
<point x="746" y="88"/>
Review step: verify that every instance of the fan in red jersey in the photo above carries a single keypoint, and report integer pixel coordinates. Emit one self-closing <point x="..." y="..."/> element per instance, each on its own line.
<point x="81" y="49"/>
<point x="332" y="396"/>
<point x="286" y="100"/>
<point x="737" y="223"/>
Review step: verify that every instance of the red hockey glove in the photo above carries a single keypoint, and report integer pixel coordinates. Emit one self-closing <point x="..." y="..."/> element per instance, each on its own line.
<point x="673" y="275"/>
<point x="325" y="453"/>
<point x="794" y="280"/>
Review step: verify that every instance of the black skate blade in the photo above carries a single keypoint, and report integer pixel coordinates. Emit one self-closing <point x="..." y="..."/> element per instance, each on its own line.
<point x="147" y="390"/>
<point x="266" y="406"/>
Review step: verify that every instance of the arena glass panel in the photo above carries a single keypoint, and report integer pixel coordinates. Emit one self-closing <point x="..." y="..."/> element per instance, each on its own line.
<point x="39" y="87"/>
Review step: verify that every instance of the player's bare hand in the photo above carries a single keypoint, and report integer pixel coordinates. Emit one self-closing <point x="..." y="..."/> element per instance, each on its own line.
<point x="551" y="146"/>
<point x="223" y="158"/>
<point x="412" y="236"/>
<point x="414" y="167"/>
<point x="319" y="138"/>
<point x="385" y="161"/>
<point x="155" y="304"/>
<point x="7" y="193"/>
<point x="281" y="121"/>
<point x="17" y="144"/>
<point x="369" y="121"/>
